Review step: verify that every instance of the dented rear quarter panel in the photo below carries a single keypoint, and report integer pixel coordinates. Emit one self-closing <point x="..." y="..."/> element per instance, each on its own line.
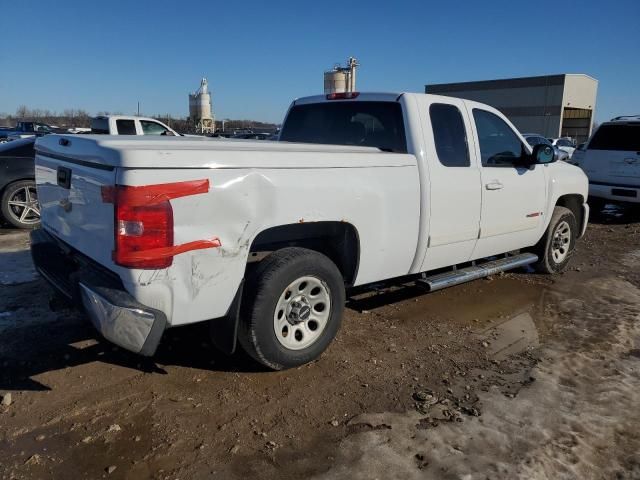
<point x="381" y="201"/>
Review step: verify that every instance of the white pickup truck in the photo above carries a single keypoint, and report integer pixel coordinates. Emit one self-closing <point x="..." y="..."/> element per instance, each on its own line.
<point x="129" y="125"/>
<point x="262" y="239"/>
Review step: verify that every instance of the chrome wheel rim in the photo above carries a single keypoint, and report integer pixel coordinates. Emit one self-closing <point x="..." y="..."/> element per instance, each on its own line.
<point x="561" y="242"/>
<point x="302" y="313"/>
<point x="24" y="207"/>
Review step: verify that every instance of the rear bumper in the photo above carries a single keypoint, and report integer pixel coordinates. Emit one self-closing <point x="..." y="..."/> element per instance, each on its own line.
<point x="620" y="193"/>
<point x="118" y="316"/>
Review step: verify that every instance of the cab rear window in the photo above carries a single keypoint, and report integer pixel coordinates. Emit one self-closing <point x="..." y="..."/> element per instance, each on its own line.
<point x="364" y="124"/>
<point x="100" y="126"/>
<point x="616" y="137"/>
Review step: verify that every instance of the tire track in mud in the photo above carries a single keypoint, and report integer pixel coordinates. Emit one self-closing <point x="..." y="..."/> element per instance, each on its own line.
<point x="578" y="419"/>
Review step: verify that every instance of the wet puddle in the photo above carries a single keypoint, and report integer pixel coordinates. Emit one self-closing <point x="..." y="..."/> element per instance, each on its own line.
<point x="506" y="315"/>
<point x="512" y="336"/>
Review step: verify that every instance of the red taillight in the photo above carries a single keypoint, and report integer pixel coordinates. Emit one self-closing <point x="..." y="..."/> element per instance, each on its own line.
<point x="342" y="95"/>
<point x="144" y="223"/>
<point x="141" y="230"/>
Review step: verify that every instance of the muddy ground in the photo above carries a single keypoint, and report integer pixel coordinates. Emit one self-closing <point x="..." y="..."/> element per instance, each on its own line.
<point x="516" y="376"/>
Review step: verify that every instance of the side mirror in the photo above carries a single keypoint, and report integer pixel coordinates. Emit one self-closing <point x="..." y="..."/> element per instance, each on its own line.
<point x="543" y="154"/>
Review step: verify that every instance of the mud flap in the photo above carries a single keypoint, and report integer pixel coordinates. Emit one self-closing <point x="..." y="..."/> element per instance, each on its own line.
<point x="224" y="331"/>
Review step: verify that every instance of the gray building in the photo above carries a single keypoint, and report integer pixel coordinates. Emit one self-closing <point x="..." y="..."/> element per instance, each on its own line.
<point x="552" y="105"/>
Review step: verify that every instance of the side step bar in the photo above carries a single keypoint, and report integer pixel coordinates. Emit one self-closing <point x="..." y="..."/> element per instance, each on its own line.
<point x="456" y="277"/>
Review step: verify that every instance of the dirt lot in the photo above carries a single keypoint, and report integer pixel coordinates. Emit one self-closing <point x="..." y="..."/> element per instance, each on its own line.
<point x="516" y="376"/>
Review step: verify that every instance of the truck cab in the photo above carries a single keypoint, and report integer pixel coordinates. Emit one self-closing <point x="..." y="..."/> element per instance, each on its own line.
<point x="25" y="130"/>
<point x="129" y="125"/>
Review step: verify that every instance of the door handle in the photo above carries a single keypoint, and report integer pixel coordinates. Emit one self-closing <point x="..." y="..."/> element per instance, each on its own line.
<point x="494" y="185"/>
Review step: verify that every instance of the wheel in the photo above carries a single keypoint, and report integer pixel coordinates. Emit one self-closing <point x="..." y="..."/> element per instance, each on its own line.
<point x="557" y="245"/>
<point x="20" y="204"/>
<point x="292" y="308"/>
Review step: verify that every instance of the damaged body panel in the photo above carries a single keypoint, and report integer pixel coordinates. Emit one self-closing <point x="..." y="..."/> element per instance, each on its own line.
<point x="182" y="221"/>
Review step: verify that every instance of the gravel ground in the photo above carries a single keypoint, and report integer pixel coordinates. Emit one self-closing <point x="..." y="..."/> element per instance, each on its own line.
<point x="515" y="376"/>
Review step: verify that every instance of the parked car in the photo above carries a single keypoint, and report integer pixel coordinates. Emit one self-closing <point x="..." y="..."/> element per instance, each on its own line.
<point x="18" y="195"/>
<point x="24" y="130"/>
<point x="611" y="160"/>
<point x="253" y="136"/>
<point x="264" y="237"/>
<point x="565" y="143"/>
<point x="129" y="125"/>
<point x="534" y="139"/>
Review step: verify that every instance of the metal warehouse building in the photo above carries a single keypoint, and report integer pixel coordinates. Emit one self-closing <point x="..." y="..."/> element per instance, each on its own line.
<point x="553" y="105"/>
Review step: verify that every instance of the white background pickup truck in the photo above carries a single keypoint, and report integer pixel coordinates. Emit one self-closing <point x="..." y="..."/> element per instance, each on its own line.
<point x="262" y="238"/>
<point x="130" y="125"/>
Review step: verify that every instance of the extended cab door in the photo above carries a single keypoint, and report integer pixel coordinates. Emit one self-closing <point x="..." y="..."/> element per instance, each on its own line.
<point x="513" y="195"/>
<point x="453" y="183"/>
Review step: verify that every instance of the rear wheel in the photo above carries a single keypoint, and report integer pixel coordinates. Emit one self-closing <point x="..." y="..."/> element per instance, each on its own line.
<point x="556" y="247"/>
<point x="20" y="204"/>
<point x="292" y="308"/>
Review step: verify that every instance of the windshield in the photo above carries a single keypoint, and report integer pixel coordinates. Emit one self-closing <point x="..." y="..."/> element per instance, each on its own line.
<point x="617" y="137"/>
<point x="365" y="124"/>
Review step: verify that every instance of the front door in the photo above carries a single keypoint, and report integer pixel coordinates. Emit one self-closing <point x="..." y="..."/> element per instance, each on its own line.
<point x="513" y="196"/>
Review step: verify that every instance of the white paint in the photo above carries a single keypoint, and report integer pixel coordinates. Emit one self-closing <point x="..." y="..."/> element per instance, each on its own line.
<point x="394" y="201"/>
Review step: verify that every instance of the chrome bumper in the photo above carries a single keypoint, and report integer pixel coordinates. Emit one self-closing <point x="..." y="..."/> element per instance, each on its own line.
<point x="114" y="312"/>
<point x="122" y="320"/>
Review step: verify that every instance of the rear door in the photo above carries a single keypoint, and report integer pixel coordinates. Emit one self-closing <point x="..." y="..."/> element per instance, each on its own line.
<point x="613" y="155"/>
<point x="454" y="183"/>
<point x="513" y="196"/>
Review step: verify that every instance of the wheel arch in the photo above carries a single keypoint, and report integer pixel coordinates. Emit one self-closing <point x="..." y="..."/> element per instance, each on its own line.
<point x="13" y="180"/>
<point x="575" y="203"/>
<point x="338" y="240"/>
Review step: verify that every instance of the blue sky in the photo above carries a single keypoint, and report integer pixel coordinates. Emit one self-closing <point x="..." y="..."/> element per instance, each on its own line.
<point x="107" y="56"/>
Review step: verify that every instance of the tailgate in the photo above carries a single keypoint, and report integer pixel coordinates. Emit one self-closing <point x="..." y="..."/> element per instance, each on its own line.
<point x="70" y="196"/>
<point x="611" y="166"/>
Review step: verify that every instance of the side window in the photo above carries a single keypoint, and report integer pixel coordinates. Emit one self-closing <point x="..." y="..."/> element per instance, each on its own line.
<point x="449" y="135"/>
<point x="126" y="127"/>
<point x="152" y="128"/>
<point x="499" y="145"/>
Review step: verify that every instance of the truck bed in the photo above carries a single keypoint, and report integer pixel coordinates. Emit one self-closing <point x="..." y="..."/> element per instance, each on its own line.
<point x="194" y="152"/>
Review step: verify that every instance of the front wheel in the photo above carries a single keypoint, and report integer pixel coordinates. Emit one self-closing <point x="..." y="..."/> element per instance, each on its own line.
<point x="556" y="247"/>
<point x="292" y="308"/>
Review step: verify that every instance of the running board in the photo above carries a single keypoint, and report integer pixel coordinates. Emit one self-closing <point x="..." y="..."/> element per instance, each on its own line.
<point x="456" y="277"/>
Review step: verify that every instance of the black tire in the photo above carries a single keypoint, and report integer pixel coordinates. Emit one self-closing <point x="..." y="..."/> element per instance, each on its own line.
<point x="265" y="288"/>
<point x="547" y="261"/>
<point x="13" y="213"/>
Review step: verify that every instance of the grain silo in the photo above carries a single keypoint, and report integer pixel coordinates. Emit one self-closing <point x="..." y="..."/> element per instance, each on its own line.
<point x="200" y="112"/>
<point x="341" y="79"/>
